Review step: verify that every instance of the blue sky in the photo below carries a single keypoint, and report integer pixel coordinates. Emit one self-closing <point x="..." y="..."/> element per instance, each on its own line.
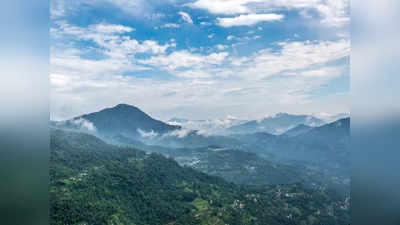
<point x="200" y="59"/>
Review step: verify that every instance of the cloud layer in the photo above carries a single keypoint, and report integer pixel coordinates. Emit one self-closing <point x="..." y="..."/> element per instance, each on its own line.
<point x="205" y="59"/>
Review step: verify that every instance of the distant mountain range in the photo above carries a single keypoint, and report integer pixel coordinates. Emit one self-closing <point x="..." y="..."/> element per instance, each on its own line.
<point x="302" y="136"/>
<point x="326" y="146"/>
<point x="130" y="121"/>
<point x="209" y="126"/>
<point x="338" y="131"/>
<point x="277" y="124"/>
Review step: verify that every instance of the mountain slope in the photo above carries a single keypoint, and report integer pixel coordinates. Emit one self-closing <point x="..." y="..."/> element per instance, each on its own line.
<point x="332" y="132"/>
<point x="92" y="182"/>
<point x="321" y="138"/>
<point x="300" y="129"/>
<point x="326" y="146"/>
<point x="235" y="166"/>
<point x="330" y="143"/>
<point x="241" y="167"/>
<point x="121" y="119"/>
<point x="277" y="124"/>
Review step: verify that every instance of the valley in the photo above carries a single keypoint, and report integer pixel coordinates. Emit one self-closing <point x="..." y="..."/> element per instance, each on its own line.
<point x="92" y="182"/>
<point x="129" y="167"/>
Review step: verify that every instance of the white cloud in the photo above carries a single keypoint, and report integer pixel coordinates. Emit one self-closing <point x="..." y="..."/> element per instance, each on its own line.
<point x="84" y="125"/>
<point x="57" y="9"/>
<point x="221" y="47"/>
<point x="171" y="25"/>
<point x="117" y="49"/>
<point x="281" y="75"/>
<point x="333" y="12"/>
<point x="254" y="37"/>
<point x="328" y="72"/>
<point x="212" y="98"/>
<point x="296" y="56"/>
<point x="248" y="20"/>
<point x="330" y="117"/>
<point x="109" y="36"/>
<point x="185" y="59"/>
<point x="222" y="6"/>
<point x="230" y="37"/>
<point x="180" y="133"/>
<point x="186" y="17"/>
<point x="63" y="8"/>
<point x="211" y="35"/>
<point x="208" y="127"/>
<point x="205" y="23"/>
<point x="192" y="73"/>
<point x="59" y="80"/>
<point x="238" y="61"/>
<point x="144" y="134"/>
<point x="74" y="64"/>
<point x="111" y="28"/>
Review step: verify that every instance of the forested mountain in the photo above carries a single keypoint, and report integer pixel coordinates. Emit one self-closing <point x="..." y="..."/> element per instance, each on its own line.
<point x="121" y="119"/>
<point x="233" y="165"/>
<point x="326" y="147"/>
<point x="92" y="182"/>
<point x="244" y="167"/>
<point x="277" y="124"/>
<point x="337" y="131"/>
<point x="313" y="155"/>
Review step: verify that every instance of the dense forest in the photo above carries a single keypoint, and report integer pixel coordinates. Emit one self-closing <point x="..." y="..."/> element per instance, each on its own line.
<point x="92" y="182"/>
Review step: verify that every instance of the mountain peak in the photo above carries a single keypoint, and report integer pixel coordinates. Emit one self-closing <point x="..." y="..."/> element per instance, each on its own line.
<point x="281" y="114"/>
<point x="277" y="124"/>
<point x="124" y="106"/>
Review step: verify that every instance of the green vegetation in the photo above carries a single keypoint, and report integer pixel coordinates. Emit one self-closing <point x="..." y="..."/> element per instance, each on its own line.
<point x="92" y="182"/>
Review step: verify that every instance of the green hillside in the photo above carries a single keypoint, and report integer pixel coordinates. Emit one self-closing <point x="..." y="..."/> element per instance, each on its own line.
<point x="92" y="182"/>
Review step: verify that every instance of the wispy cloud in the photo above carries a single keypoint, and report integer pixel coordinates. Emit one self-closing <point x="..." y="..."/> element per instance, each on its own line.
<point x="179" y="133"/>
<point x="230" y="37"/>
<point x="295" y="56"/>
<point x="171" y="25"/>
<point x="248" y="20"/>
<point x="205" y="23"/>
<point x="186" y="17"/>
<point x="144" y="134"/>
<point x="185" y="59"/>
<point x="109" y="41"/>
<point x="221" y="47"/>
